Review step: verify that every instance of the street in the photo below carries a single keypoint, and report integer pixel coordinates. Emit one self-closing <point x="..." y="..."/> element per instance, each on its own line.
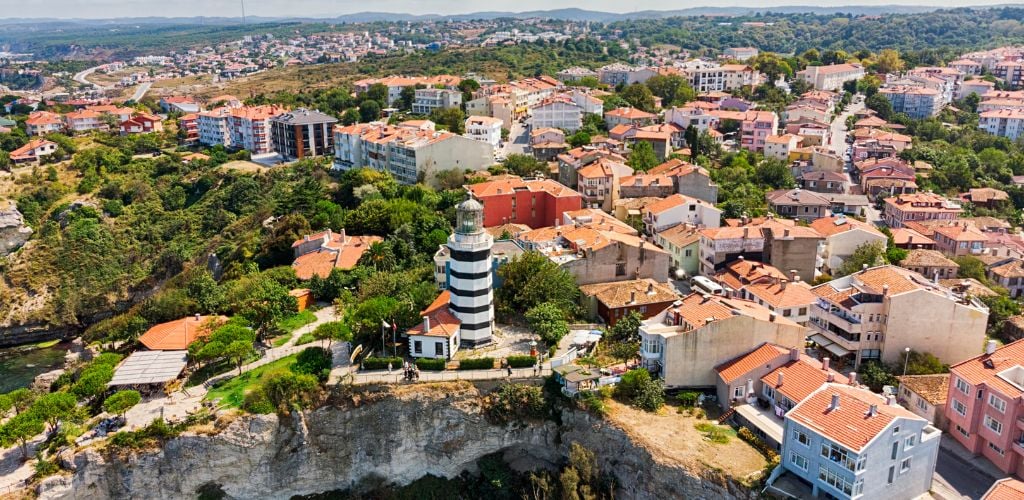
<point x="140" y="91"/>
<point x="957" y="478"/>
<point x="838" y="133"/>
<point x="518" y="141"/>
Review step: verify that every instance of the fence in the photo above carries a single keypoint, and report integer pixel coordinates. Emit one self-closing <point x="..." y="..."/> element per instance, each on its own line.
<point x="397" y="377"/>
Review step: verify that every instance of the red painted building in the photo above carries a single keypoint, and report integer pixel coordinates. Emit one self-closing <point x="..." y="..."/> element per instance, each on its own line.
<point x="536" y="202"/>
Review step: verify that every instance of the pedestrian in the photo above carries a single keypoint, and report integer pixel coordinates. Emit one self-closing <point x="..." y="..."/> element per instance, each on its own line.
<point x="389" y="367"/>
<point x="509" y="371"/>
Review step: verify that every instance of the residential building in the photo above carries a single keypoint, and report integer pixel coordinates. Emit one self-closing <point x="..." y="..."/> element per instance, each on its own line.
<point x="958" y="239"/>
<point x="142" y="123"/>
<point x="847" y="442"/>
<point x="798" y="204"/>
<point x="599" y="182"/>
<point x="189" y="123"/>
<point x="250" y="127"/>
<point x="1009" y="274"/>
<point x="876" y="313"/>
<point x="85" y="120"/>
<point x="796" y="112"/>
<point x="678" y="209"/>
<point x="534" y="202"/>
<point x="780" y="243"/>
<point x="616" y="74"/>
<point x="823" y="181"/>
<point x="925" y="396"/>
<point x="484" y="129"/>
<point x="930" y="264"/>
<point x="980" y="87"/>
<point x="613" y="301"/>
<point x="712" y="77"/>
<point x="395" y="84"/>
<point x="570" y="162"/>
<point x="598" y="255"/>
<point x="215" y="127"/>
<point x="427" y="100"/>
<point x="985" y="405"/>
<point x="438" y="334"/>
<point x="689" y="179"/>
<point x="1007" y="488"/>
<point x="684" y="343"/>
<point x="831" y="77"/>
<point x="843" y="236"/>
<point x="779" y="146"/>
<point x="575" y="74"/>
<point x="986" y="197"/>
<point x="302" y="133"/>
<point x="769" y="287"/>
<point x="919" y="207"/>
<point x="560" y="113"/>
<point x="754" y="126"/>
<point x="1007" y="123"/>
<point x="917" y="102"/>
<point x="628" y="116"/>
<point x="683" y="245"/>
<point x="319" y="253"/>
<point x="1010" y="72"/>
<point x="32" y="151"/>
<point x="411" y="152"/>
<point x="740" y="53"/>
<point x="179" y="104"/>
<point x="877" y="144"/>
<point x="43" y="122"/>
<point x="646" y="186"/>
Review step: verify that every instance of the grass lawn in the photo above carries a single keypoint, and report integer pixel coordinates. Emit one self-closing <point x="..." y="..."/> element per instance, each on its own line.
<point x="305" y="338"/>
<point x="232" y="392"/>
<point x="296" y="321"/>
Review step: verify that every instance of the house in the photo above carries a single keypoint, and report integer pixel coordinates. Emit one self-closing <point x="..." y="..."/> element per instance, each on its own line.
<point x="599" y="182"/>
<point x="798" y="204"/>
<point x="628" y="116"/>
<point x="302" y="133"/>
<point x="43" y="122"/>
<point x="985" y="197"/>
<point x="820" y="181"/>
<point x="547" y="143"/>
<point x="811" y="132"/>
<point x="779" y="146"/>
<point x="847" y="442"/>
<point x="684" y="343"/>
<point x="142" y="123"/>
<point x="178" y="334"/>
<point x="33" y="151"/>
<point x="437" y="335"/>
<point x="427" y="100"/>
<point x="682" y="242"/>
<point x="930" y="264"/>
<point x="534" y="202"/>
<point x="843" y="236"/>
<point x="925" y="395"/>
<point x="484" y="129"/>
<point x="85" y="120"/>
<point x="831" y="77"/>
<point x="957" y="239"/>
<point x="760" y="386"/>
<point x="570" y="162"/>
<point x="876" y="313"/>
<point x="769" y="287"/>
<point x="1009" y="274"/>
<point x="678" y="209"/>
<point x="250" y="127"/>
<point x="575" y="74"/>
<point x="557" y="112"/>
<point x="1007" y="488"/>
<point x="598" y="255"/>
<point x="179" y="104"/>
<point x="780" y="243"/>
<point x="613" y="301"/>
<point x="689" y="179"/>
<point x="984" y="405"/>
<point x="597" y="219"/>
<point x="189" y="124"/>
<point x="616" y="74"/>
<point x="320" y="253"/>
<point x="754" y="126"/>
<point x="919" y="207"/>
<point x="646" y="186"/>
<point x="395" y="84"/>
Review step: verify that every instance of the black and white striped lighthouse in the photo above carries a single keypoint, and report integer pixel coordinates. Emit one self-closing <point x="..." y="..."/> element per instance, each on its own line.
<point x="470" y="281"/>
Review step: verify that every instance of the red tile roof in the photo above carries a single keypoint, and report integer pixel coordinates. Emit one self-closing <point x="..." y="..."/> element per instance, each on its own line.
<point x="177" y="335"/>
<point x="442" y="322"/>
<point x="801" y="378"/>
<point x="849" y="425"/>
<point x="1005" y="489"/>
<point x="744" y="364"/>
<point x="985" y="369"/>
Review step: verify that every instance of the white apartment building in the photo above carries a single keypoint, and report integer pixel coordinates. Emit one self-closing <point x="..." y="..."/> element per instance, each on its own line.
<point x="557" y="113"/>
<point x="624" y="74"/>
<point x="1007" y="123"/>
<point x="427" y="100"/>
<point x="831" y="77"/>
<point x="215" y="127"/>
<point x="484" y="129"/>
<point x="250" y="128"/>
<point x="713" y="77"/>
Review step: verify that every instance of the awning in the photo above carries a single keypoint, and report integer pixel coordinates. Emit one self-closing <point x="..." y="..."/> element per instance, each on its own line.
<point x="837" y="349"/>
<point x="150" y="367"/>
<point x="820" y="339"/>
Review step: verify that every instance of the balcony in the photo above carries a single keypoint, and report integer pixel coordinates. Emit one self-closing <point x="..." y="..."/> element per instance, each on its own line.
<point x="1020" y="423"/>
<point x="1018" y="445"/>
<point x="837" y="317"/>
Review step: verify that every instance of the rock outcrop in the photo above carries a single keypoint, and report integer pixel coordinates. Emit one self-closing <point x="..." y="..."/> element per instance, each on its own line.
<point x="401" y="437"/>
<point x="13" y="231"/>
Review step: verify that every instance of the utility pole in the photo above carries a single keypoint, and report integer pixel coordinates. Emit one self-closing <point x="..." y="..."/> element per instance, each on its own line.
<point x="243" y="11"/>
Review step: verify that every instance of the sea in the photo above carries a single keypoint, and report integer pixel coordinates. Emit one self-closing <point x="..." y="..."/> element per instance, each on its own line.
<point x="19" y="365"/>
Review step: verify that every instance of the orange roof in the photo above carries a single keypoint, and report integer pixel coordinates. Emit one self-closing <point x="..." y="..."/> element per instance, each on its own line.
<point x="961" y="232"/>
<point x="442" y="322"/>
<point x="512" y="184"/>
<point x="744" y="364"/>
<point x="850" y="424"/>
<point x="801" y="378"/>
<point x="177" y="335"/>
<point x="1005" y="489"/>
<point x="27" y="150"/>
<point x="779" y="293"/>
<point x="43" y="118"/>
<point x="828" y="226"/>
<point x="630" y="114"/>
<point x="672" y="201"/>
<point x="336" y="252"/>
<point x="985" y="369"/>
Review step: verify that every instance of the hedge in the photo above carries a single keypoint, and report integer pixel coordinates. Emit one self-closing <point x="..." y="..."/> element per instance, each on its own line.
<point x="382" y="363"/>
<point x="431" y="364"/>
<point x="768" y="452"/>
<point x="521" y="361"/>
<point x="476" y="364"/>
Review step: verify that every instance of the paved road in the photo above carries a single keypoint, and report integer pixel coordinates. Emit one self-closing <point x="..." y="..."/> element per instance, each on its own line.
<point x="958" y="478"/>
<point x="518" y="141"/>
<point x="140" y="91"/>
<point x="80" y="77"/>
<point x="838" y="133"/>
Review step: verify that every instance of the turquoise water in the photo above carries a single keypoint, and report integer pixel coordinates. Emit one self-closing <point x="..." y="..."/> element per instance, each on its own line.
<point x="19" y="365"/>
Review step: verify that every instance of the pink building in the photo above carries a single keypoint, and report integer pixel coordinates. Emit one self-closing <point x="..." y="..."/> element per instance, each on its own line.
<point x="755" y="126"/>
<point x="919" y="207"/>
<point x="985" y="409"/>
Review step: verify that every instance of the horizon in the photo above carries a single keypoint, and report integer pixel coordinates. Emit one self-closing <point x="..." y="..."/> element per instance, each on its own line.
<point x="129" y="9"/>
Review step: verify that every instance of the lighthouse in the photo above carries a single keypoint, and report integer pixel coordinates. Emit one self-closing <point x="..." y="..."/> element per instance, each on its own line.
<point x="470" y="281"/>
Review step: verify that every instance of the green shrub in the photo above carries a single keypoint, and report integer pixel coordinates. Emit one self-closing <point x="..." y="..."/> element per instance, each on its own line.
<point x="44" y="468"/>
<point x="644" y="392"/>
<point x="256" y="401"/>
<point x="314" y="361"/>
<point x="593" y="403"/>
<point x="305" y="338"/>
<point x="476" y="364"/>
<point x="430" y="364"/>
<point x="382" y="363"/>
<point x="687" y="398"/>
<point x="521" y="361"/>
<point x="768" y="452"/>
<point x="514" y="402"/>
<point x="714" y="433"/>
<point x="287" y="390"/>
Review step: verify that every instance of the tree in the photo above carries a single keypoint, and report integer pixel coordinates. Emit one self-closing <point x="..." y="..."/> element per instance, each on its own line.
<point x="331" y="331"/>
<point x="121" y="401"/>
<point x="314" y="361"/>
<point x="350" y="116"/>
<point x="874" y="375"/>
<point x="452" y="119"/>
<point x="923" y="363"/>
<point x="523" y="165"/>
<point x="287" y="389"/>
<point x="868" y="254"/>
<point x="239" y="351"/>
<point x="642" y="156"/>
<point x="881" y="105"/>
<point x="369" y="111"/>
<point x="378" y="93"/>
<point x="1000" y="308"/>
<point x="639" y="96"/>
<point x="531" y="279"/>
<point x="626" y="329"/>
<point x="772" y="66"/>
<point x="888" y="61"/>
<point x="53" y="407"/>
<point x="673" y="90"/>
<point x="20" y="429"/>
<point x="20" y="399"/>
<point x="548" y="321"/>
<point x="92" y="382"/>
<point x="406" y="98"/>
<point x="266" y="303"/>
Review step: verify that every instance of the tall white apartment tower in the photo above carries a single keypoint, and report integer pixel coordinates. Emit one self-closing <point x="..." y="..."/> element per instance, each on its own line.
<point x="470" y="283"/>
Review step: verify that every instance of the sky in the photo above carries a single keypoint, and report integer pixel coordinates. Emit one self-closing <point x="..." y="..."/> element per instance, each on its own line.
<point x="99" y="9"/>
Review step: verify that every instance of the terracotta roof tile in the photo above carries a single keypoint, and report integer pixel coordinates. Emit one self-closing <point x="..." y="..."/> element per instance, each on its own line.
<point x="801" y="378"/>
<point x="744" y="364"/>
<point x="986" y="369"/>
<point x="1005" y="489"/>
<point x="178" y="334"/>
<point x="849" y="425"/>
<point x="933" y="388"/>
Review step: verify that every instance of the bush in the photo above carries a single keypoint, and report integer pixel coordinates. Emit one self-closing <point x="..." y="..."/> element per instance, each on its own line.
<point x="256" y="401"/>
<point x="431" y="364"/>
<point x="314" y="361"/>
<point x="44" y="468"/>
<point x="521" y="361"/>
<point x="514" y="402"/>
<point x="593" y="403"/>
<point x="476" y="364"/>
<point x="645" y="393"/>
<point x="768" y="452"/>
<point x="382" y="363"/>
<point x="287" y="390"/>
<point x="688" y="398"/>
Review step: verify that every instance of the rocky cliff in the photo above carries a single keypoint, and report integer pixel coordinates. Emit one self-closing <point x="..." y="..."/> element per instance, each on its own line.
<point x="13" y="231"/>
<point x="398" y="438"/>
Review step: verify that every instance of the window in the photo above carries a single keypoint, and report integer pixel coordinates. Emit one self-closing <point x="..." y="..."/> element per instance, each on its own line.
<point x="439" y="348"/>
<point x="895" y="430"/>
<point x="963" y="386"/>
<point x="922" y="405"/>
<point x="840" y="456"/>
<point x="963" y="432"/>
<point x="769" y="392"/>
<point x="993" y="424"/>
<point x="895" y="450"/>
<point x="999" y="451"/>
<point x="417" y="346"/>
<point x="905" y="465"/>
<point x="738" y="392"/>
<point x="997" y="403"/>
<point x="689" y="252"/>
<point x="892" y="474"/>
<point x="799" y="461"/>
<point x="801" y="438"/>
<point x="803" y="311"/>
<point x="960" y="408"/>
<point x="909" y="442"/>
<point x="831" y="478"/>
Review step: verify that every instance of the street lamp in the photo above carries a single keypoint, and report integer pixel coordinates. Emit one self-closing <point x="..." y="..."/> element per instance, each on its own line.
<point x="906" y="360"/>
<point x="383" y="329"/>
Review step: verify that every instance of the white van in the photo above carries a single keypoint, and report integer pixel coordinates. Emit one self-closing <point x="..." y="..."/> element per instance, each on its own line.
<point x="700" y="284"/>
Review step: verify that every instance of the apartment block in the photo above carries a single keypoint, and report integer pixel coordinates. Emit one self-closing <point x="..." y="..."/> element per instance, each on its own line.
<point x="427" y="100"/>
<point x="917" y="102"/>
<point x="831" y="77"/>
<point x="843" y="236"/>
<point x="484" y="129"/>
<point x="919" y="207"/>
<point x="536" y="203"/>
<point x="595" y="254"/>
<point x="754" y="126"/>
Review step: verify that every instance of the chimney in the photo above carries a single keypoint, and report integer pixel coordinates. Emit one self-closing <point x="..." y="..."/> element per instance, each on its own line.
<point x="750" y="386"/>
<point x="835" y="403"/>
<point x="935" y="277"/>
<point x="197" y="319"/>
<point x="342" y="233"/>
<point x="746" y="232"/>
<point x="829" y="377"/>
<point x="741" y="258"/>
<point x="779" y="383"/>
<point x="794" y="354"/>
<point x="650" y="289"/>
<point x="426" y="324"/>
<point x="872" y="410"/>
<point x="772" y="316"/>
<point x="863" y="267"/>
<point x="782" y="283"/>
<point x="885" y="290"/>
<point x="890" y="400"/>
<point x="990" y="347"/>
<point x="825" y="362"/>
<point x="853" y="378"/>
<point x="632" y="297"/>
<point x="785" y="233"/>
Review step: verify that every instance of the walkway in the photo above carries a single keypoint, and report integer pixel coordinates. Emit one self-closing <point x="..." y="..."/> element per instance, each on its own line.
<point x="14" y="471"/>
<point x="140" y="91"/>
<point x="396" y="376"/>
